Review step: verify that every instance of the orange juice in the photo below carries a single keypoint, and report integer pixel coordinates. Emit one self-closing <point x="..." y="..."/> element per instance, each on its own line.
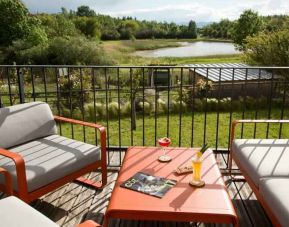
<point x="197" y="166"/>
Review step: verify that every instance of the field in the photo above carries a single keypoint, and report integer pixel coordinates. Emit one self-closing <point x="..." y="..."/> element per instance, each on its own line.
<point x="121" y="53"/>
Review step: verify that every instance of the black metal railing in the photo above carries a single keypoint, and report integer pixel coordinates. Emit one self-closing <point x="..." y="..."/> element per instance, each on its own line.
<point x="192" y="105"/>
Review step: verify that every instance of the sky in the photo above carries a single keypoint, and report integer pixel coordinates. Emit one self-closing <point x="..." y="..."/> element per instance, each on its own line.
<point x="166" y="10"/>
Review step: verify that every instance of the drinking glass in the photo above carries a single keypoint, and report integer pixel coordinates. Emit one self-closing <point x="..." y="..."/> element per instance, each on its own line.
<point x="197" y="166"/>
<point x="164" y="142"/>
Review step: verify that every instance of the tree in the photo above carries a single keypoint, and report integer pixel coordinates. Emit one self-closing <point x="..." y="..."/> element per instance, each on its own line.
<point x="248" y="24"/>
<point x="128" y="29"/>
<point x="133" y="86"/>
<point x="268" y="49"/>
<point x="89" y="26"/>
<point x="192" y="30"/>
<point x="85" y="11"/>
<point x="58" y="25"/>
<point x="15" y="22"/>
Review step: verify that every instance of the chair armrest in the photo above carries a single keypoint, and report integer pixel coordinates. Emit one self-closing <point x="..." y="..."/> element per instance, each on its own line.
<point x="20" y="171"/>
<point x="8" y="181"/>
<point x="77" y="122"/>
<point x="100" y="128"/>
<point x="88" y="223"/>
<point x="236" y="122"/>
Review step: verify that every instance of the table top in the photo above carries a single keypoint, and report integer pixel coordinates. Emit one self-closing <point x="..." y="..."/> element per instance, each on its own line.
<point x="209" y="203"/>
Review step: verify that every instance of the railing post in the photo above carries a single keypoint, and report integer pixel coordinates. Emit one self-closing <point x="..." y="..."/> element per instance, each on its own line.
<point x="21" y="85"/>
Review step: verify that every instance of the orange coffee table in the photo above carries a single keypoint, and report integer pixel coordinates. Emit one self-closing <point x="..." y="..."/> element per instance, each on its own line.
<point x="182" y="202"/>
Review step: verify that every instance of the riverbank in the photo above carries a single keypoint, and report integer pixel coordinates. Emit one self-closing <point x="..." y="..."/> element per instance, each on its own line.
<point x="121" y="52"/>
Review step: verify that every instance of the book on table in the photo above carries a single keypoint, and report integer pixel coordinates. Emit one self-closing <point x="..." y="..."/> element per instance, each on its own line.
<point x="148" y="184"/>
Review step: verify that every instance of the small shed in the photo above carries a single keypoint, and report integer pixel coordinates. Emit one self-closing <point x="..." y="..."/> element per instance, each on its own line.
<point x="232" y="79"/>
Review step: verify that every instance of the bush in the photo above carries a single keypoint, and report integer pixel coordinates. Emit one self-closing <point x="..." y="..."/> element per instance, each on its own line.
<point x="161" y="106"/>
<point x="113" y="109"/>
<point x="145" y="107"/>
<point x="70" y="87"/>
<point x="198" y="105"/>
<point x="203" y="87"/>
<point x="126" y="109"/>
<point x="212" y="104"/>
<point x="177" y="105"/>
<point x="76" y="51"/>
<point x="100" y="111"/>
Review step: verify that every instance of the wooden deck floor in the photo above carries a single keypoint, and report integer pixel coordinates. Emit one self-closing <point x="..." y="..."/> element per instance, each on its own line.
<point x="74" y="203"/>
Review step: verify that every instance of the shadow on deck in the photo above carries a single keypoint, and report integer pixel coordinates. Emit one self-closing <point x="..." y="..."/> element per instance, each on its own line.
<point x="74" y="203"/>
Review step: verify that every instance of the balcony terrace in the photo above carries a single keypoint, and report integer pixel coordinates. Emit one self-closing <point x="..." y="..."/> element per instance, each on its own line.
<point x="137" y="105"/>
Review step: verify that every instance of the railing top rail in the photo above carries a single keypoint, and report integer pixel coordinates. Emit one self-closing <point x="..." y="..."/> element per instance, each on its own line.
<point x="145" y="66"/>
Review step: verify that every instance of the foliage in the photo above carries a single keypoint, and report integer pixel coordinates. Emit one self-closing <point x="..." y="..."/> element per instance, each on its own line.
<point x="145" y="107"/>
<point x="248" y="24"/>
<point x="75" y="51"/>
<point x="57" y="25"/>
<point x="203" y="87"/>
<point x="89" y="26"/>
<point x="221" y="30"/>
<point x="113" y="109"/>
<point x="74" y="89"/>
<point x="178" y="106"/>
<point x="126" y="109"/>
<point x="85" y="11"/>
<point x="15" y="22"/>
<point x="268" y="49"/>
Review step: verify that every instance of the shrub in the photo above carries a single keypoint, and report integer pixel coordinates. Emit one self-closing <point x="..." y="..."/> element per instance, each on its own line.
<point x="145" y="106"/>
<point x="177" y="105"/>
<point x="70" y="87"/>
<point x="100" y="111"/>
<point x="76" y="51"/>
<point x="161" y="106"/>
<point x="126" y="109"/>
<point x="236" y="105"/>
<point x="113" y="109"/>
<point x="212" y="104"/>
<point x="203" y="87"/>
<point x="198" y="105"/>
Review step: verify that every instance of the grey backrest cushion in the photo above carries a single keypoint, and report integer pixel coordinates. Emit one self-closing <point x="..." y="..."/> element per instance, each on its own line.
<point x="25" y="122"/>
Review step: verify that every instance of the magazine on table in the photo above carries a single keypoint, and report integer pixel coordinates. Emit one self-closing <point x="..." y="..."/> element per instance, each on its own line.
<point x="148" y="184"/>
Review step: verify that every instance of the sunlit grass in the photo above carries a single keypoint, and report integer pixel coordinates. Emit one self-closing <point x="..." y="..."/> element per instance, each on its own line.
<point x="181" y="124"/>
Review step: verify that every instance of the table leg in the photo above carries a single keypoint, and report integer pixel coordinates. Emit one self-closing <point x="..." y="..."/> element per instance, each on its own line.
<point x="105" y="221"/>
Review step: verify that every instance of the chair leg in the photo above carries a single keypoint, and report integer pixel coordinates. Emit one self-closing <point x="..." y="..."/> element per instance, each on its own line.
<point x="90" y="183"/>
<point x="94" y="184"/>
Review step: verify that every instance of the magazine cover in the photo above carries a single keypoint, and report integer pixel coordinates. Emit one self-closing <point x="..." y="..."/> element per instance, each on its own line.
<point x="148" y="184"/>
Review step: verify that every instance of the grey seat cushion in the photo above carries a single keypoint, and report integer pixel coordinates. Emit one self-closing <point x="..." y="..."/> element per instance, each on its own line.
<point x="50" y="158"/>
<point x="275" y="193"/>
<point x="263" y="157"/>
<point x="15" y="213"/>
<point x="25" y="122"/>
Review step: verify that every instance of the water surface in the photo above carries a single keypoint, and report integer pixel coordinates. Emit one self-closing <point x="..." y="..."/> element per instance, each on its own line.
<point x="195" y="49"/>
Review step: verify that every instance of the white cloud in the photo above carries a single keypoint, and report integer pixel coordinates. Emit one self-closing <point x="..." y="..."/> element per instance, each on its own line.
<point x="169" y="10"/>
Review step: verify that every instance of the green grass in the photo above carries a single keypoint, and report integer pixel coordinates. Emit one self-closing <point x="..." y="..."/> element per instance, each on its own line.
<point x="186" y="129"/>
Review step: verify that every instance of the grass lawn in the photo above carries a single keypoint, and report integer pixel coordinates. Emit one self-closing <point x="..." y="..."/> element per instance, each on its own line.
<point x="186" y="129"/>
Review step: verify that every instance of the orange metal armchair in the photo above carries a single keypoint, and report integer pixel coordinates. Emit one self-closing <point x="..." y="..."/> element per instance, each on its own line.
<point x="37" y="159"/>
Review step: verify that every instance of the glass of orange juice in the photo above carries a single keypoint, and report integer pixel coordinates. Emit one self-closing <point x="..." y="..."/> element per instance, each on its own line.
<point x="197" y="166"/>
